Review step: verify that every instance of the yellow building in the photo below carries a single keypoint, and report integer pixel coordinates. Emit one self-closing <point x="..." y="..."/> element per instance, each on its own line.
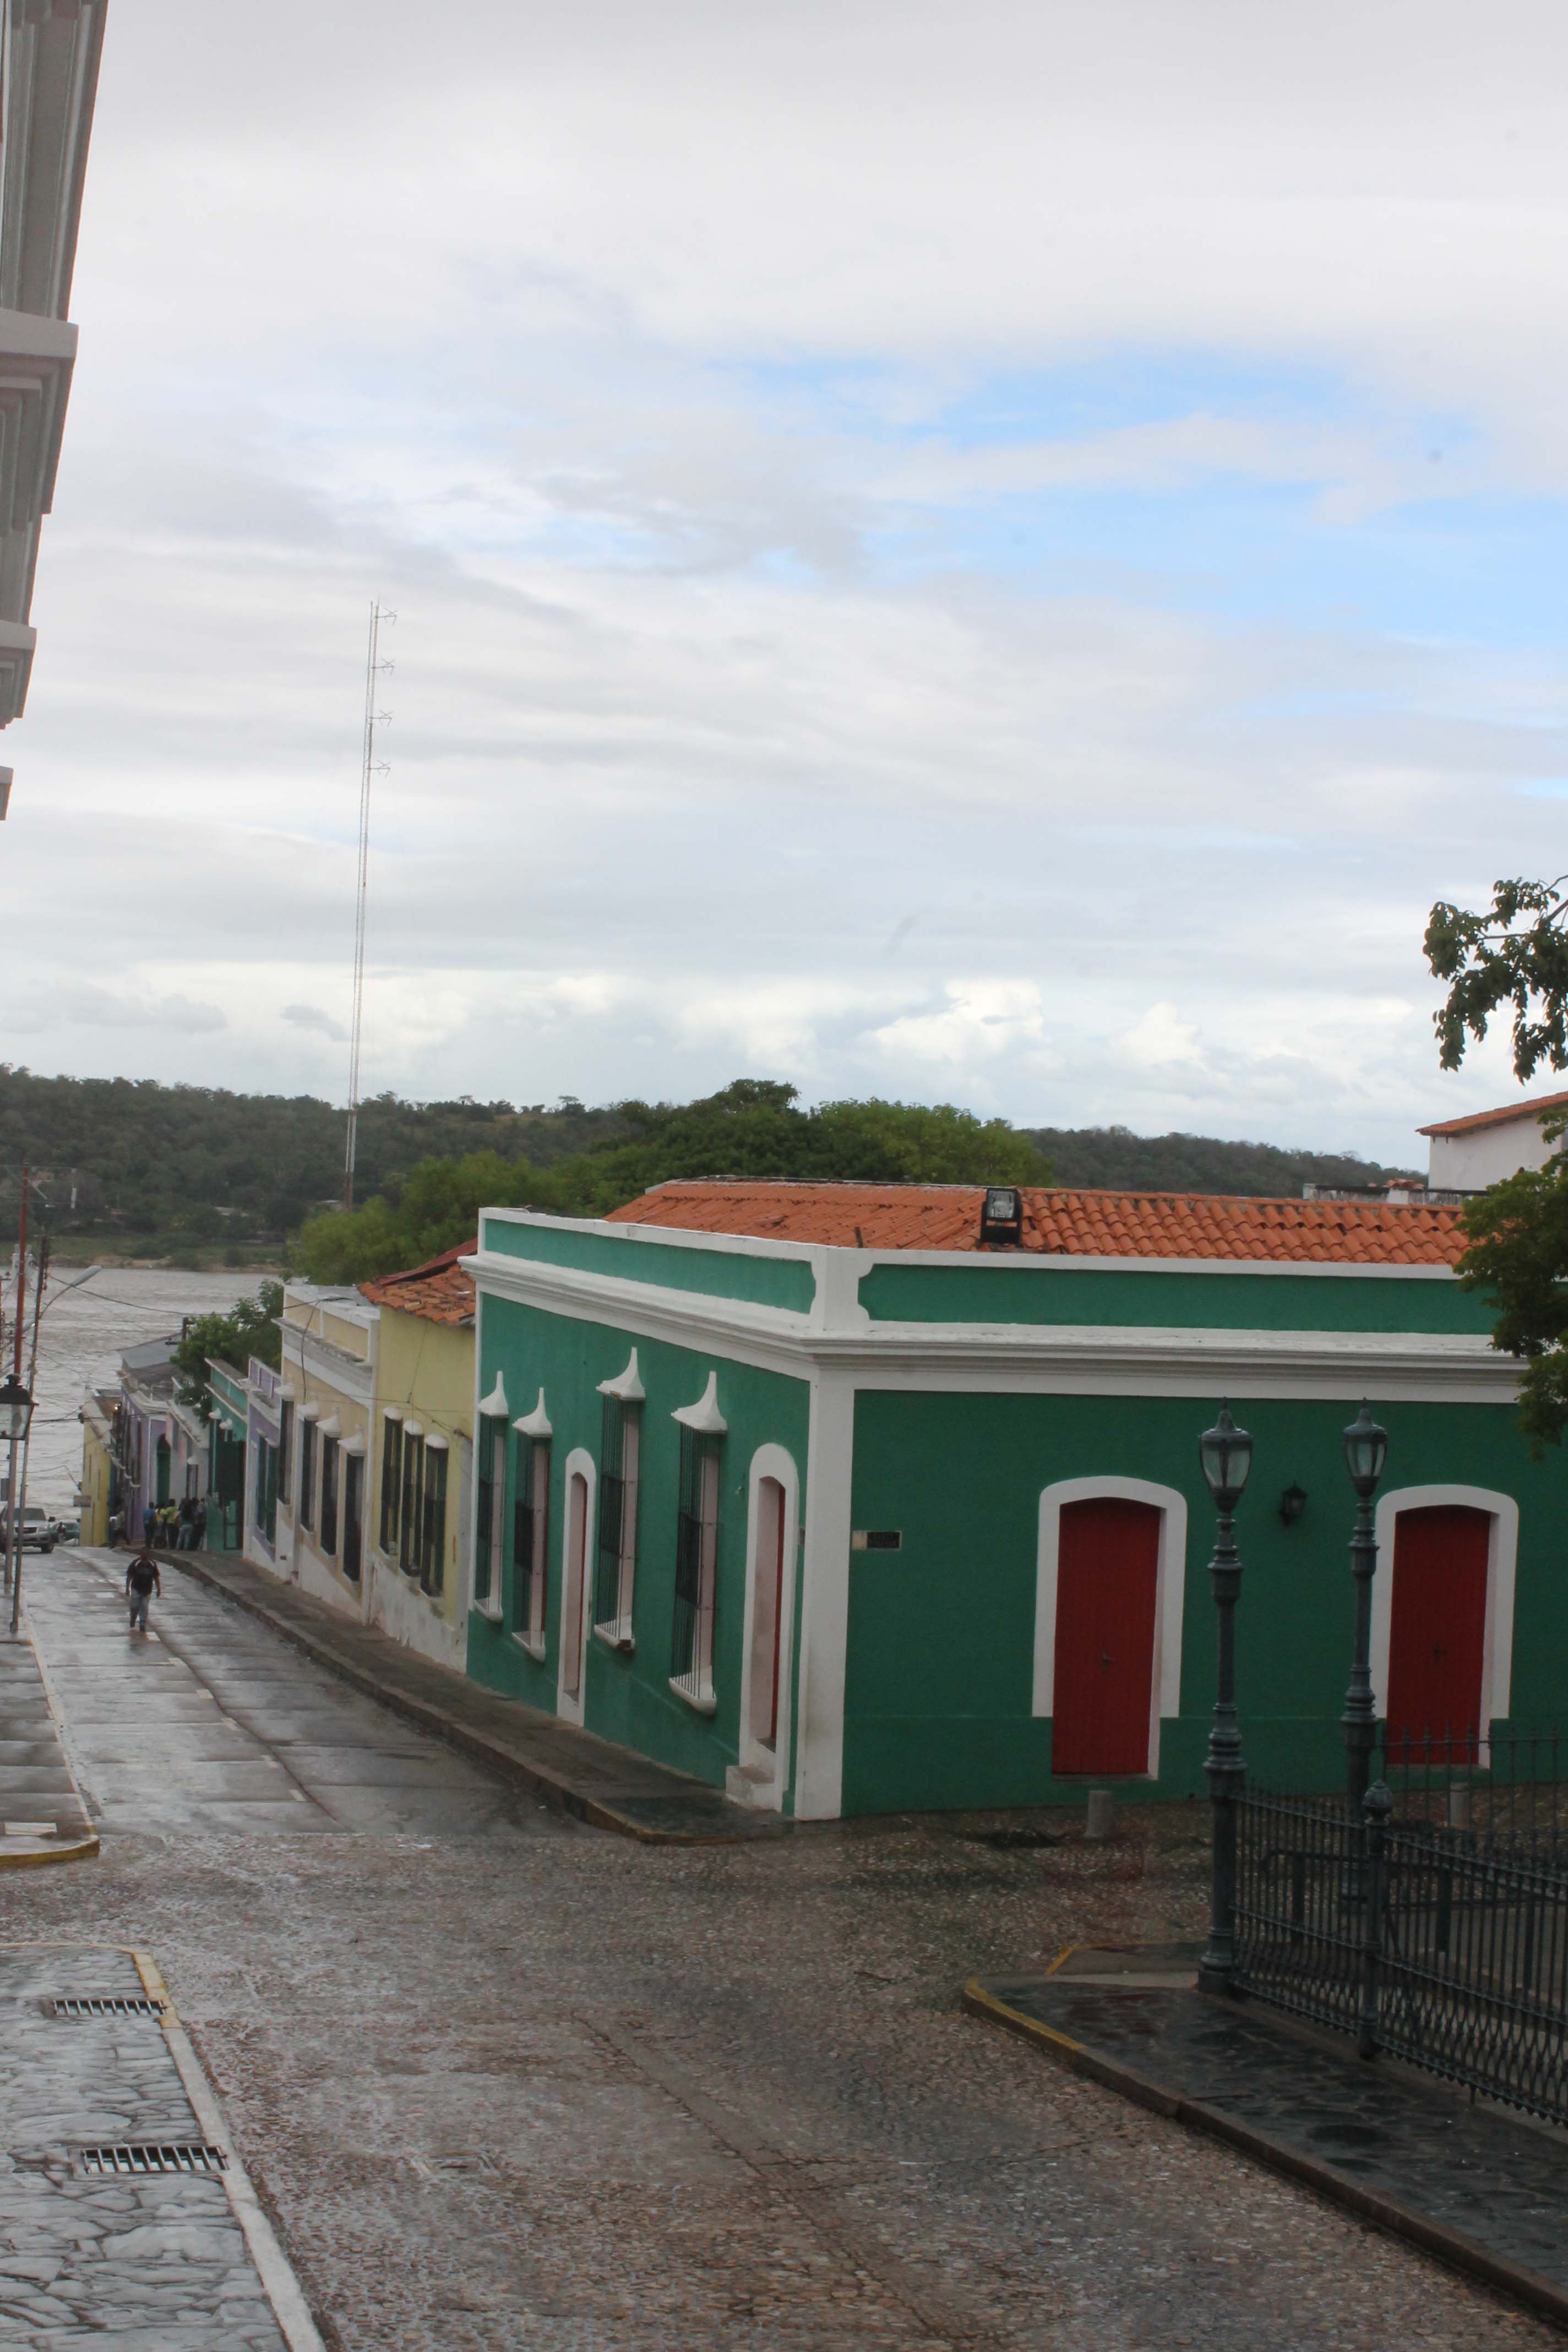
<point x="422" y="1455"/>
<point x="95" y="1497"/>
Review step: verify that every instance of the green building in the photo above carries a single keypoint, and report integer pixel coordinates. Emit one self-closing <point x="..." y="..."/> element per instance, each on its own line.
<point x="855" y="1498"/>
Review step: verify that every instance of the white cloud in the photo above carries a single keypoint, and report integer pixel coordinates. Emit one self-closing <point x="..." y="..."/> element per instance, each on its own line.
<point x="310" y="1016"/>
<point x="1162" y="1038"/>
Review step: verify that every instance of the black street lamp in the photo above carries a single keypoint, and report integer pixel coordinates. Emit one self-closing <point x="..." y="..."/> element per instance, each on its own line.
<point x="1225" y="1454"/>
<point x="1366" y="1450"/>
<point x="15" y="1412"/>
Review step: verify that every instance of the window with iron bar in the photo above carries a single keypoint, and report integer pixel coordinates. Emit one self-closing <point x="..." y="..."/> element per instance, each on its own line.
<point x="285" y="1453"/>
<point x="307" y="1473"/>
<point x="408" y="1520"/>
<point x="489" y="1527"/>
<point x="616" y="1570"/>
<point x="530" y="1539"/>
<point x="432" y="1531"/>
<point x="329" y="1529"/>
<point x="695" y="1570"/>
<point x="391" y="1481"/>
<point x="353" y="1515"/>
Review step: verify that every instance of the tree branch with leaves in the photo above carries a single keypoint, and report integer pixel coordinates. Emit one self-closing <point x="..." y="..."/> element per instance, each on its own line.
<point x="1515" y="955"/>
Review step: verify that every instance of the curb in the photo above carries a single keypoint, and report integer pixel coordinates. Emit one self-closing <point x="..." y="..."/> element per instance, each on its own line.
<point x="40" y="1852"/>
<point x="1371" y="2205"/>
<point x="503" y="1761"/>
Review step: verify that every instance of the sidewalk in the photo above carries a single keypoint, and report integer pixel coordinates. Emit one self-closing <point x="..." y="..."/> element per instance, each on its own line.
<point x="126" y="2215"/>
<point x="587" y="1776"/>
<point x="42" y="1818"/>
<point x="1471" y="2185"/>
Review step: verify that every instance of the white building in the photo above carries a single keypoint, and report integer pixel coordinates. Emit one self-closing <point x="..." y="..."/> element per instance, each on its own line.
<point x="1468" y="1154"/>
<point x="51" y="51"/>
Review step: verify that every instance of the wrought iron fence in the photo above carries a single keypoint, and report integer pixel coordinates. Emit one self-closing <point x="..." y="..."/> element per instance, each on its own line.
<point x="1437" y="1943"/>
<point x="1509" y="1790"/>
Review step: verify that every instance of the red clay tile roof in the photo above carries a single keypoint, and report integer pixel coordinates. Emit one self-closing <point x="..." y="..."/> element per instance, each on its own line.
<point x="1494" y="1118"/>
<point x="439" y="1290"/>
<point x="1058" y="1222"/>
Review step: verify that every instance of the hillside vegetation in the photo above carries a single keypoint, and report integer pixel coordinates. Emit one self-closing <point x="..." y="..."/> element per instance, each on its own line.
<point x="199" y="1174"/>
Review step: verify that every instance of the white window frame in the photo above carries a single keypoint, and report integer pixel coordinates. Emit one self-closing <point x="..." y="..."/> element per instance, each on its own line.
<point x="705" y="1420"/>
<point x="770" y="1766"/>
<point x="1170" y="1591"/>
<point x="534" y="1431"/>
<point x="627" y="1391"/>
<point x="498" y="1436"/>
<point x="1502" y="1558"/>
<point x="579" y="1463"/>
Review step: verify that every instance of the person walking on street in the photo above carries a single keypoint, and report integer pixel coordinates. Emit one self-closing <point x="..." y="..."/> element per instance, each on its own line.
<point x="198" y="1522"/>
<point x="185" y="1535"/>
<point x="149" y="1524"/>
<point x="141" y="1581"/>
<point x="168" y="1526"/>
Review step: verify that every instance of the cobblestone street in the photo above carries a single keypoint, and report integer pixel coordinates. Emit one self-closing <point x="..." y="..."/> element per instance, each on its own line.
<point x="504" y="2080"/>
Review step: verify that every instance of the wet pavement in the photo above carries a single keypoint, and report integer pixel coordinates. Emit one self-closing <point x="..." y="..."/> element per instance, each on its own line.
<point x="209" y="1722"/>
<point x="504" y="2079"/>
<point x="1493" y="2188"/>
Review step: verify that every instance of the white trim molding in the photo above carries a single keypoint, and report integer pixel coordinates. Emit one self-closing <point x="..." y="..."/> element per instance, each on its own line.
<point x="535" y="1423"/>
<point x="704" y="1416"/>
<point x="579" y="1464"/>
<point x="766" y="1769"/>
<point x="1170" y="1589"/>
<point x="1503" y="1556"/>
<point x="495" y="1407"/>
<point x="625" y="1385"/>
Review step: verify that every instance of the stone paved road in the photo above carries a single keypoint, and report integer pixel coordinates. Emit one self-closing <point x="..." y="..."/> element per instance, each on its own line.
<point x="511" y="2082"/>
<point x="151" y="2265"/>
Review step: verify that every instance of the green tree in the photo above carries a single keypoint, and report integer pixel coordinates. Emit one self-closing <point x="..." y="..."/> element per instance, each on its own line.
<point x="1514" y="953"/>
<point x="249" y="1328"/>
<point x="435" y="1207"/>
<point x="753" y="1127"/>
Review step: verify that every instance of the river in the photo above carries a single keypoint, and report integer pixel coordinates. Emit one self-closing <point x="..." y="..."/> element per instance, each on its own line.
<point x="81" y="1338"/>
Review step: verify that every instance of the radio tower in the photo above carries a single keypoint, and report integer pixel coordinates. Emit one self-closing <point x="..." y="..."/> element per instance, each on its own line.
<point x="373" y="668"/>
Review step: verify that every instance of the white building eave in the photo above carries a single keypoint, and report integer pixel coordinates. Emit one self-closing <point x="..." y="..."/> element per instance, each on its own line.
<point x="1111" y="1359"/>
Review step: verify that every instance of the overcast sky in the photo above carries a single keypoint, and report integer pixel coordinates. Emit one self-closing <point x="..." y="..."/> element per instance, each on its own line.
<point x="1001" y="553"/>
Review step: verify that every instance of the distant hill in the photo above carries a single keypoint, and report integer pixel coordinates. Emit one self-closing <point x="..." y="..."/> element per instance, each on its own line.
<point x="198" y="1173"/>
<point x="193" y="1170"/>
<point x="1112" y="1159"/>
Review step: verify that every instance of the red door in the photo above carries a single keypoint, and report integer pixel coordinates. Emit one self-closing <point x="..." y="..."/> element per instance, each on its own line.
<point x="1439" y="1621"/>
<point x="1107" y="1580"/>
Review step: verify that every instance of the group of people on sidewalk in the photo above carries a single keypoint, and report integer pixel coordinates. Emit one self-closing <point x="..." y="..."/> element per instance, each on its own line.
<point x="168" y="1526"/>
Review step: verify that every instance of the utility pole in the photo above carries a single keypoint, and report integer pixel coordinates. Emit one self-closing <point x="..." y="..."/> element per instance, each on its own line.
<point x="373" y="718"/>
<point x="28" y="1440"/>
<point x="13" y="1518"/>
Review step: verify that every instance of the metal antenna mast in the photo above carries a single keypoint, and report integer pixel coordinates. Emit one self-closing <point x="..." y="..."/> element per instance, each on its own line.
<point x="374" y="667"/>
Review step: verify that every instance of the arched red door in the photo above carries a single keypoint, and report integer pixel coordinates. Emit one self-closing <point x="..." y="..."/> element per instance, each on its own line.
<point x="1438" y="1633"/>
<point x="1108" y="1565"/>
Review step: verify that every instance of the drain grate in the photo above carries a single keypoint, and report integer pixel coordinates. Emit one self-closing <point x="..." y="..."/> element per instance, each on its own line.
<point x="138" y="2158"/>
<point x="106" y="2004"/>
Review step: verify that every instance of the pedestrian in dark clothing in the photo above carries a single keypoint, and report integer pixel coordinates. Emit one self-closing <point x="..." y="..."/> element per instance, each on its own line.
<point x="186" y="1535"/>
<point x="149" y="1524"/>
<point x="199" y="1523"/>
<point x="141" y="1581"/>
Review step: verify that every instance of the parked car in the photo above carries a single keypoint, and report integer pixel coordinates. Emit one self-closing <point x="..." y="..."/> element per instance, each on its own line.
<point x="40" y="1531"/>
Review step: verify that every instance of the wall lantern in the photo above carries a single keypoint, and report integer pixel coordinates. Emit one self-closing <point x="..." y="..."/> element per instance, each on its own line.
<point x="1225" y="1454"/>
<point x="1292" y="1503"/>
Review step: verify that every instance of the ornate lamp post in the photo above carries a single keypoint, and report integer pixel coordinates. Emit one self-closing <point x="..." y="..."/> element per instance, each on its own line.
<point x="1224" y="1453"/>
<point x="15" y="1412"/>
<point x="1366" y="1450"/>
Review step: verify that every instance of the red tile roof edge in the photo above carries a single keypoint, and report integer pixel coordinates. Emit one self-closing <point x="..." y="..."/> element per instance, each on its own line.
<point x="1476" y="1118"/>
